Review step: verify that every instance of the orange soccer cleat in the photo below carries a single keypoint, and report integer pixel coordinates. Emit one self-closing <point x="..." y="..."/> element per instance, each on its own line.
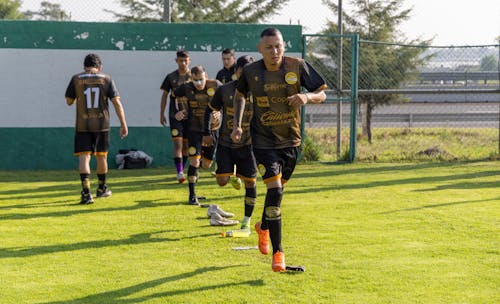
<point x="263" y="239"/>
<point x="279" y="262"/>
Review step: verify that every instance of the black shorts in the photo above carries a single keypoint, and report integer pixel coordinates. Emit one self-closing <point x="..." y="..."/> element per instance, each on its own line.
<point x="242" y="158"/>
<point x="178" y="128"/>
<point x="196" y="150"/>
<point x="276" y="163"/>
<point x="96" y="143"/>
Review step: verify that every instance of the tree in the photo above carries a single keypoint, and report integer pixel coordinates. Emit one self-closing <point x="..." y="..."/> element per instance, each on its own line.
<point x="49" y="11"/>
<point x="489" y="63"/>
<point x="224" y="11"/>
<point x="9" y="9"/>
<point x="381" y="65"/>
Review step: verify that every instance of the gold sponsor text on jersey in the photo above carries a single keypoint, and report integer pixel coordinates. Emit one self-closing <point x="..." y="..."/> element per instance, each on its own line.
<point x="269" y="87"/>
<point x="271" y="118"/>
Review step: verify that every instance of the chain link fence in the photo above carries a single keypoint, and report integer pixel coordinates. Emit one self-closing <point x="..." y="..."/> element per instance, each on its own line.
<point x="415" y="102"/>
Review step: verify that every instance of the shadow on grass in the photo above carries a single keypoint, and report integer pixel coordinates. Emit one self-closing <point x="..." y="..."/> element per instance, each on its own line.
<point x="135" y="239"/>
<point x="496" y="199"/>
<point x="123" y="295"/>
<point x="86" y="209"/>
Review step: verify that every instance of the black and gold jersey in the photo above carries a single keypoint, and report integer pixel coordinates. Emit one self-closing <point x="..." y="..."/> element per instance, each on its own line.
<point x="223" y="101"/>
<point x="92" y="91"/>
<point x="197" y="102"/>
<point x="171" y="82"/>
<point x="275" y="123"/>
<point x="226" y="75"/>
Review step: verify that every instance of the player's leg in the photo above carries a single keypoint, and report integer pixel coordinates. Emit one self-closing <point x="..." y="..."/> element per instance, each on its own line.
<point x="225" y="165"/>
<point x="83" y="149"/>
<point x="194" y="165"/>
<point x="246" y="169"/>
<point x="101" y="155"/>
<point x="176" y="131"/>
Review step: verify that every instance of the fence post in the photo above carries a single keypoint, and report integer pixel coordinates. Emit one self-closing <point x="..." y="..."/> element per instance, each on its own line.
<point x="354" y="97"/>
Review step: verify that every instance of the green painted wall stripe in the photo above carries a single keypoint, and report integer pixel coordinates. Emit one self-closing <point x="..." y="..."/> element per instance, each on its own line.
<point x="52" y="148"/>
<point x="208" y="37"/>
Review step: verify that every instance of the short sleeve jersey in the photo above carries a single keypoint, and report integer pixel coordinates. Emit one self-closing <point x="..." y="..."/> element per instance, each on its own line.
<point x="197" y="102"/>
<point x="226" y="75"/>
<point x="92" y="92"/>
<point x="171" y="82"/>
<point x="224" y="100"/>
<point x="275" y="123"/>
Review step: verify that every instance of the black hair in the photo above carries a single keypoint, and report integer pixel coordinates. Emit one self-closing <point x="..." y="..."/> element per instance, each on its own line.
<point x="197" y="70"/>
<point x="270" y="31"/>
<point x="228" y="51"/>
<point x="244" y="61"/>
<point x="92" y="61"/>
<point x="182" y="54"/>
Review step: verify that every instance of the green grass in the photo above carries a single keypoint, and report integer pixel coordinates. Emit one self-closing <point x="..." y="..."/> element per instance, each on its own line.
<point x="367" y="233"/>
<point x="408" y="145"/>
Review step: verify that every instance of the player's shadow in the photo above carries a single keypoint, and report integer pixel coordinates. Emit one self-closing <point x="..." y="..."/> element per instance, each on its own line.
<point x="496" y="199"/>
<point x="125" y="295"/>
<point x="135" y="239"/>
<point x="87" y="209"/>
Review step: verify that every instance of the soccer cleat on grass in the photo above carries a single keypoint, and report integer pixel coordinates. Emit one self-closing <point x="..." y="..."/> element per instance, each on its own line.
<point x="103" y="192"/>
<point x="263" y="238"/>
<point x="215" y="209"/>
<point x="86" y="199"/>
<point x="193" y="201"/>
<point x="235" y="182"/>
<point x="180" y="177"/>
<point x="218" y="220"/>
<point x="279" y="262"/>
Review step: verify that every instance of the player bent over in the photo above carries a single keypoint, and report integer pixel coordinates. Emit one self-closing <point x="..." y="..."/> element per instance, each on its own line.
<point x="275" y="83"/>
<point x="198" y="93"/>
<point x="230" y="154"/>
<point x="91" y="90"/>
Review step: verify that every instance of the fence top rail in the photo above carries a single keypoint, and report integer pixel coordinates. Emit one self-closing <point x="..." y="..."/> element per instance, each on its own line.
<point x="428" y="91"/>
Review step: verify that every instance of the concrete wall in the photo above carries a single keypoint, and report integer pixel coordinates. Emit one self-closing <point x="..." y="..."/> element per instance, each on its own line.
<point x="38" y="58"/>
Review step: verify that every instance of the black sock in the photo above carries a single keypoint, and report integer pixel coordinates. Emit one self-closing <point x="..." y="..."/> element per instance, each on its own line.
<point x="273" y="200"/>
<point x="192" y="178"/>
<point x="85" y="179"/>
<point x="250" y="197"/>
<point x="185" y="160"/>
<point x="102" y="180"/>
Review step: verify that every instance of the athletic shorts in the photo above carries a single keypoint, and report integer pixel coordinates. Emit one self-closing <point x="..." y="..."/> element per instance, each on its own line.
<point x="178" y="128"/>
<point x="96" y="143"/>
<point x="196" y="150"/>
<point x="242" y="158"/>
<point x="274" y="164"/>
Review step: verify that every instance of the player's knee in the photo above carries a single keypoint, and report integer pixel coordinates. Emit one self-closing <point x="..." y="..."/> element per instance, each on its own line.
<point x="250" y="184"/>
<point x="205" y="164"/>
<point x="222" y="180"/>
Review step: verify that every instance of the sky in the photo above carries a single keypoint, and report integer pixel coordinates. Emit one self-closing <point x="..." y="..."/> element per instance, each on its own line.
<point x="448" y="22"/>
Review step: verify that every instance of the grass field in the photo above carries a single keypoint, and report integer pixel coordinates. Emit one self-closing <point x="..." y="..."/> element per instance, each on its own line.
<point x="366" y="233"/>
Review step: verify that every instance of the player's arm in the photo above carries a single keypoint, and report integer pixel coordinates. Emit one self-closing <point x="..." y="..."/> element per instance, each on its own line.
<point x="121" y="116"/>
<point x="70" y="100"/>
<point x="239" y="108"/>
<point x="163" y="106"/>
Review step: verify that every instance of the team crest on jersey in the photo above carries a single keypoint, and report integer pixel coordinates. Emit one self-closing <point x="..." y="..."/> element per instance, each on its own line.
<point x="192" y="150"/>
<point x="262" y="169"/>
<point x="256" y="78"/>
<point x="234" y="77"/>
<point x="210" y="92"/>
<point x="175" y="132"/>
<point x="291" y="78"/>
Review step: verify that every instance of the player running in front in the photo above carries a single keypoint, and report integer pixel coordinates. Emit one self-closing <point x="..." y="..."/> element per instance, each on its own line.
<point x="230" y="154"/>
<point x="275" y="83"/>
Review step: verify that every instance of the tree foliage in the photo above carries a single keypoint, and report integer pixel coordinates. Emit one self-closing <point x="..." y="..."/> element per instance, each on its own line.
<point x="49" y="11"/>
<point x="222" y="11"/>
<point x="385" y="59"/>
<point x="9" y="9"/>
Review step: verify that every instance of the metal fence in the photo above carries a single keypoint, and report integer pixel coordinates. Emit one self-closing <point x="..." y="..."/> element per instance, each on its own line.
<point x="409" y="87"/>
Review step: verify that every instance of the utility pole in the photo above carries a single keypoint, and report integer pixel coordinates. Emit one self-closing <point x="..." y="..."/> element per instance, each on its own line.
<point x="339" y="81"/>
<point x="166" y="11"/>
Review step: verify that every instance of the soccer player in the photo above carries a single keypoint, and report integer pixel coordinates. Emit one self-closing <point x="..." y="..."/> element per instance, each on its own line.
<point x="91" y="90"/>
<point x="275" y="83"/>
<point x="198" y="93"/>
<point x="177" y="128"/>
<point x="230" y="154"/>
<point x="226" y="74"/>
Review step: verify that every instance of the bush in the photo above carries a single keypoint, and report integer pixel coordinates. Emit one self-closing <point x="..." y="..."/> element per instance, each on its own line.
<point x="310" y="150"/>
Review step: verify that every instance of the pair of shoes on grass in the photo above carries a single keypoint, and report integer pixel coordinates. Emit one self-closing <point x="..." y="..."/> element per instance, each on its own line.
<point x="219" y="217"/>
<point x="86" y="198"/>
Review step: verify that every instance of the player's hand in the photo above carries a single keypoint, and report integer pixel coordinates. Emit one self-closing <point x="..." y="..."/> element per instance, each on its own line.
<point x="180" y="115"/>
<point x="297" y="100"/>
<point x="207" y="141"/>
<point x="163" y="120"/>
<point x="123" y="132"/>
<point x="236" y="134"/>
